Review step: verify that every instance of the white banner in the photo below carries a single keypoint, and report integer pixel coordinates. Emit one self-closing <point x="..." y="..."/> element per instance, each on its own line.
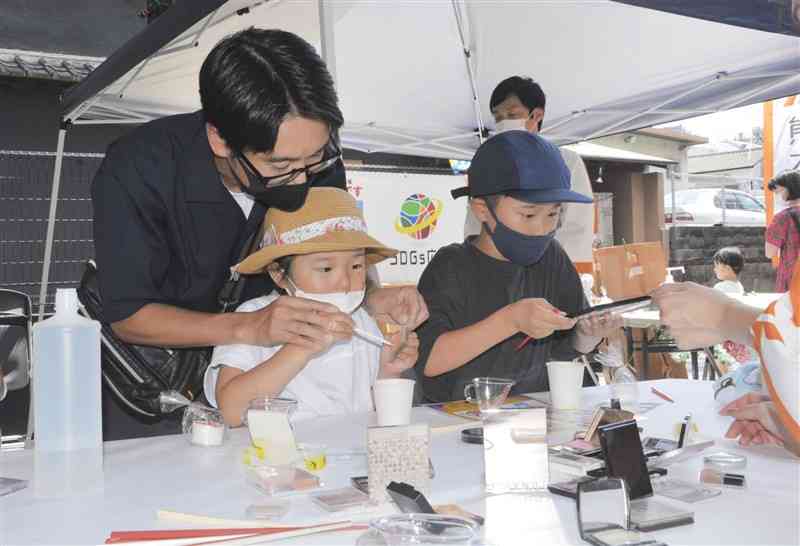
<point x="786" y="130"/>
<point x="413" y="213"/>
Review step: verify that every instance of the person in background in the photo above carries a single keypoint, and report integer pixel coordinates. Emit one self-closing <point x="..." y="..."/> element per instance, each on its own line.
<point x="728" y="263"/>
<point x="514" y="281"/>
<point x="321" y="253"/>
<point x="698" y="316"/>
<point x="782" y="238"/>
<point x="518" y="103"/>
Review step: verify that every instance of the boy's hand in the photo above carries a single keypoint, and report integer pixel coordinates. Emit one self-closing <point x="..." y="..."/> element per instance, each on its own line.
<point x="538" y="319"/>
<point x="601" y="325"/>
<point x="400" y="356"/>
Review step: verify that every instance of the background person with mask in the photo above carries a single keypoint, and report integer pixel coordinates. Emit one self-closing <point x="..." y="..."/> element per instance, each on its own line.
<point x="518" y="104"/>
<point x="175" y="198"/>
<point x="487" y="294"/>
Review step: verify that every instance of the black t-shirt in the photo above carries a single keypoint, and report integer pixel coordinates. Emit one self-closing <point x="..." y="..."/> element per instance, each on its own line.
<point x="166" y="230"/>
<point x="462" y="286"/>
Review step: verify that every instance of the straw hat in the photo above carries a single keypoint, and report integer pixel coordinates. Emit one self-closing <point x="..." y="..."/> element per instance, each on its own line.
<point x="330" y="220"/>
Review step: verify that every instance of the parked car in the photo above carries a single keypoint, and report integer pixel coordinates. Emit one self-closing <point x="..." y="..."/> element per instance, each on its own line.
<point x="712" y="206"/>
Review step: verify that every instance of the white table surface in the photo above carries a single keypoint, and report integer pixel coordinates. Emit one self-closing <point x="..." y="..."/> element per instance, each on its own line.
<point x="145" y="475"/>
<point x="650" y="316"/>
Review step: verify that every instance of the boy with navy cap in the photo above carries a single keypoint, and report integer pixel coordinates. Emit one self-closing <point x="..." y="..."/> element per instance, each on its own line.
<point x="488" y="294"/>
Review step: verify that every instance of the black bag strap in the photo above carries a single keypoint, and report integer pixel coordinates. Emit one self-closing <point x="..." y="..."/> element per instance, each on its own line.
<point x="231" y="293"/>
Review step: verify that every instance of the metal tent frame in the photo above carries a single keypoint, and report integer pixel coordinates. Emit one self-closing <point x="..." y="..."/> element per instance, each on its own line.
<point x="103" y="97"/>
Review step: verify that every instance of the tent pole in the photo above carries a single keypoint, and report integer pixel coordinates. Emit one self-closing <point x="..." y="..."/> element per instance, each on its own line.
<point x="760" y="90"/>
<point x="465" y="47"/>
<point x="327" y="37"/>
<point x="605" y="130"/>
<point x="51" y="221"/>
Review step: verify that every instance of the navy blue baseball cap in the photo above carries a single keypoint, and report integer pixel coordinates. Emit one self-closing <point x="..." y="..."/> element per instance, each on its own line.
<point x="521" y="165"/>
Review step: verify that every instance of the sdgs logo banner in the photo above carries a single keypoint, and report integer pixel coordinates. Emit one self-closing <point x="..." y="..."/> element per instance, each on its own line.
<point x="413" y="213"/>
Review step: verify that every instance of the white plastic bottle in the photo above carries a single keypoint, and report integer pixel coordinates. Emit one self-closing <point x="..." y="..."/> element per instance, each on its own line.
<point x="66" y="380"/>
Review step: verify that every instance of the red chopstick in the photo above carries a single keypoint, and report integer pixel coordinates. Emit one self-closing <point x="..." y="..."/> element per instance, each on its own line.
<point x="118" y="537"/>
<point x="523" y="343"/>
<point x="661" y="395"/>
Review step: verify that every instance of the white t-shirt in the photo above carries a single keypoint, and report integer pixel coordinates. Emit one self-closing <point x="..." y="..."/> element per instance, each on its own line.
<point x="577" y="219"/>
<point x="244" y="200"/>
<point x="335" y="382"/>
<point x="730" y="287"/>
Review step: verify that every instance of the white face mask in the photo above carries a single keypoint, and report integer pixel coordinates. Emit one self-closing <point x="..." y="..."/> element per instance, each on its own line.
<point x="510" y="125"/>
<point x="346" y="302"/>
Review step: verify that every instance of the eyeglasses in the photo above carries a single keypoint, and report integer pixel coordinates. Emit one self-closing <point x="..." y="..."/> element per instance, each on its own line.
<point x="331" y="155"/>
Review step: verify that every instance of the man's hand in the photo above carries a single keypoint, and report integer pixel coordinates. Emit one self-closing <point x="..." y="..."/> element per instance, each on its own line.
<point x="399" y="305"/>
<point x="753" y="423"/>
<point x="305" y="323"/>
<point x="400" y="356"/>
<point x="693" y="313"/>
<point x="538" y="319"/>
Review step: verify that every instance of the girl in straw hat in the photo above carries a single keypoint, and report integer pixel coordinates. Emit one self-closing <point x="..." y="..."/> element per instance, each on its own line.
<point x="320" y="252"/>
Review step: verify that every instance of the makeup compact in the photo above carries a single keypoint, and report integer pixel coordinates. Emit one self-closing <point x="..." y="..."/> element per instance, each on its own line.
<point x="727" y="479"/>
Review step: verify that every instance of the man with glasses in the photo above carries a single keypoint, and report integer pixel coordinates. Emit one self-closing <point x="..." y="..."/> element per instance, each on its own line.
<point x="175" y="200"/>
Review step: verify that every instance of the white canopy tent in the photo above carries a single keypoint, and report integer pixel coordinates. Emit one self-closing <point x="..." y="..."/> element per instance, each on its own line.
<point x="415" y="77"/>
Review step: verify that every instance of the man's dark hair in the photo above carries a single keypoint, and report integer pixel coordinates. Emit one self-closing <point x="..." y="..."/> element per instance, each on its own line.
<point x="789" y="180"/>
<point x="253" y="79"/>
<point x="528" y="92"/>
<point x="730" y="256"/>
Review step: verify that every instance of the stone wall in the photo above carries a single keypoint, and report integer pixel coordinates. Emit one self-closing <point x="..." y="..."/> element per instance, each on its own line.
<point x="694" y="246"/>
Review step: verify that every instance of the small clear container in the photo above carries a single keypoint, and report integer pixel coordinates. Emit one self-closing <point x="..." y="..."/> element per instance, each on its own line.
<point x="276" y="480"/>
<point x="271" y="431"/>
<point x="268" y="510"/>
<point x="278" y="405"/>
<point x="425" y="529"/>
<point x="314" y="456"/>
<point x="204" y="426"/>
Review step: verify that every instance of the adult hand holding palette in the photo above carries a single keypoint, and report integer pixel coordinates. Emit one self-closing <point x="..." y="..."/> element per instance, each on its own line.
<point x="620" y="306"/>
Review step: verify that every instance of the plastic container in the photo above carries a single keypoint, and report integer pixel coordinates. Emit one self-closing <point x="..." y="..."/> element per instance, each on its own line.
<point x="204" y="426"/>
<point x="314" y="456"/>
<point x="279" y="405"/>
<point x="66" y="379"/>
<point x="625" y="388"/>
<point x="268" y="420"/>
<point x="425" y="529"/>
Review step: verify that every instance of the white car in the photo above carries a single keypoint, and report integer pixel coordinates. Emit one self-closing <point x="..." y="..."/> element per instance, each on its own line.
<point x="714" y="206"/>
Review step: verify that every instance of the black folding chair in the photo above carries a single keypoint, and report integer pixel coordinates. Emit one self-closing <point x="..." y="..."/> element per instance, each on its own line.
<point x="16" y="317"/>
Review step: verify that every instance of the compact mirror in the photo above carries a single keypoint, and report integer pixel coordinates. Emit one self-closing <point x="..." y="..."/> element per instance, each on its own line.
<point x="602" y="505"/>
<point x="604" y="514"/>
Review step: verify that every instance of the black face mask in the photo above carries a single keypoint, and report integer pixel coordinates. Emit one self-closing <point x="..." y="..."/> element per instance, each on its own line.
<point x="292" y="196"/>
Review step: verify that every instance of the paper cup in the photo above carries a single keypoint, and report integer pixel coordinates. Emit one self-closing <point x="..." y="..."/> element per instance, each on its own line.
<point x="393" y="399"/>
<point x="566" y="380"/>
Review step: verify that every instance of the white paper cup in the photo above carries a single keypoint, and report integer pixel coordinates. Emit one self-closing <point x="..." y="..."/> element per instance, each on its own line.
<point x="393" y="399"/>
<point x="566" y="380"/>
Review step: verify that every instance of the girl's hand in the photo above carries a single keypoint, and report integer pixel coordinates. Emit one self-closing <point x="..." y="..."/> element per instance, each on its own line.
<point x="400" y="356"/>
